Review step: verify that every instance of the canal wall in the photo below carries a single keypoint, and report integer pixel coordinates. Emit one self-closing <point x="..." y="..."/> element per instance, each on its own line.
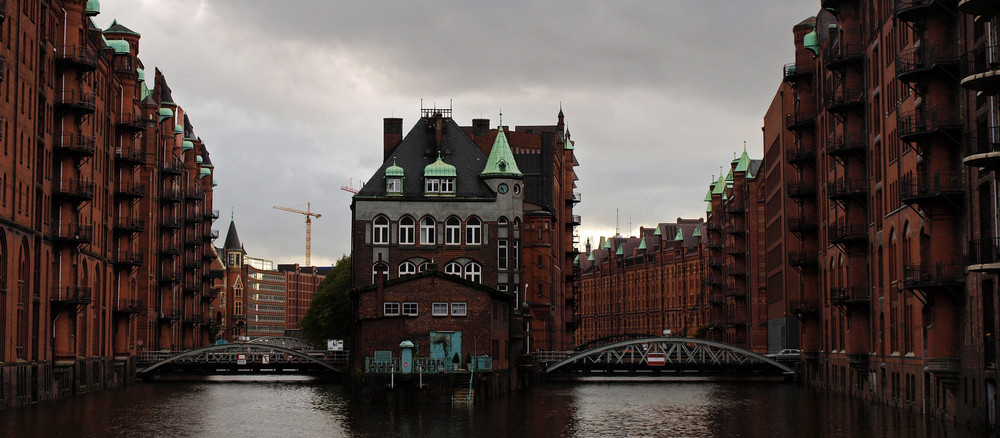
<point x="438" y="387"/>
<point x="25" y="383"/>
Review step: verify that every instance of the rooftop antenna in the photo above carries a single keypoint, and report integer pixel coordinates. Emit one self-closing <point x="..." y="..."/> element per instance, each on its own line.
<point x="617" y="229"/>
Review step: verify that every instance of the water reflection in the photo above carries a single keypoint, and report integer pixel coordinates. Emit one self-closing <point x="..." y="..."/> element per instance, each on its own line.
<point x="317" y="408"/>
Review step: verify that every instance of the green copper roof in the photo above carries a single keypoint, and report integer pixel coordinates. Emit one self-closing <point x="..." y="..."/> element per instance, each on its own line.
<point x="811" y="42"/>
<point x="696" y="232"/>
<point x="208" y="165"/>
<point x="439" y="168"/>
<point x="215" y="181"/>
<point x="186" y="146"/>
<point x="145" y="91"/>
<point x="501" y="160"/>
<point x="394" y="170"/>
<point x="205" y="172"/>
<point x="198" y="159"/>
<point x="708" y="196"/>
<point x="568" y="144"/>
<point x="590" y="257"/>
<point x="178" y="129"/>
<point x="576" y="260"/>
<point x="657" y="232"/>
<point x="142" y="74"/>
<point x="730" y="176"/>
<point x="743" y="164"/>
<point x="720" y="186"/>
<point x="120" y="46"/>
<point x="619" y="250"/>
<point x="642" y="243"/>
<point x="708" y="208"/>
<point x="605" y="243"/>
<point x="166" y="113"/>
<point x="93" y="7"/>
<point x="680" y="235"/>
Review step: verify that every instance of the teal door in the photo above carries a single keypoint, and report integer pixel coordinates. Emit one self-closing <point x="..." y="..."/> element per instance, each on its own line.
<point x="444" y="345"/>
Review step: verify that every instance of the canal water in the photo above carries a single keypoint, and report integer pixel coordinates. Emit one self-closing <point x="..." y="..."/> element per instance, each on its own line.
<point x="309" y="408"/>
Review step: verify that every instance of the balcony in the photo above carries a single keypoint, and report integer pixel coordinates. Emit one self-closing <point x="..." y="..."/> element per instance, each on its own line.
<point x="210" y="294"/>
<point x="212" y="235"/>
<point x="194" y="196"/>
<point x="801" y="189"/>
<point x="129" y="156"/>
<point x="212" y="215"/>
<point x="847" y="233"/>
<point x="170" y="315"/>
<point x="75" y="145"/>
<point x="847" y="188"/>
<point x="170" y="250"/>
<point x="170" y="222"/>
<point x="715" y="280"/>
<point x="71" y="295"/>
<point x="984" y="252"/>
<point x="800" y="260"/>
<point x="128" y="307"/>
<point x="941" y="275"/>
<point x="982" y="147"/>
<point x="75" y="234"/>
<point x="846" y="144"/>
<point x="983" y="8"/>
<point x="842" y="99"/>
<point x="128" y="260"/>
<point x="850" y="296"/>
<point x="79" y="57"/>
<point x="129" y="225"/>
<point x="914" y="10"/>
<point x="941" y="185"/>
<point x="793" y="73"/>
<point x="713" y="226"/>
<point x="800" y="155"/>
<point x="842" y="54"/>
<point x="735" y="229"/>
<point x="194" y="319"/>
<point x="170" y="277"/>
<point x="83" y="102"/>
<point x="74" y="190"/>
<point x="735" y="206"/>
<point x="715" y="261"/>
<point x="130" y="192"/>
<point x="171" y="196"/>
<point x="576" y="197"/>
<point x="172" y="168"/>
<point x="803" y="225"/>
<point x="918" y="125"/>
<point x="191" y="289"/>
<point x="127" y="123"/>
<point x="917" y="64"/>
<point x="804" y="308"/>
<point x="192" y="243"/>
<point x="575" y="220"/>
<point x="802" y="117"/>
<point x="981" y="70"/>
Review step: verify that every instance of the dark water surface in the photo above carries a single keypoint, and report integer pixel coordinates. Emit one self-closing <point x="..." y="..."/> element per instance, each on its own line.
<point x="307" y="408"/>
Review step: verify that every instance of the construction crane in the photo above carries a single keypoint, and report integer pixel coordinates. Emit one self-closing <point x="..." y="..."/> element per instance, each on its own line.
<point x="307" y="214"/>
<point x="351" y="188"/>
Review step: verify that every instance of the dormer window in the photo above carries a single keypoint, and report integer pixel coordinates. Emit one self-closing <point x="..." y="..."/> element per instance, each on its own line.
<point x="394" y="185"/>
<point x="439" y="178"/>
<point x="444" y="186"/>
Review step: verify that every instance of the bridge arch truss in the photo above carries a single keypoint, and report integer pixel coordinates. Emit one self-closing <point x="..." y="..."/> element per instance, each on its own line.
<point x="246" y="358"/>
<point x="674" y="355"/>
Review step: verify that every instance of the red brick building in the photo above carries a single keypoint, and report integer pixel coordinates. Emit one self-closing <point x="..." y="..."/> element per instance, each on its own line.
<point x="105" y="211"/>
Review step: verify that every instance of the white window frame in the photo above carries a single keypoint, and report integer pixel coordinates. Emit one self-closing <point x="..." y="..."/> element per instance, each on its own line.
<point x="410" y="308"/>
<point x="380" y="230"/>
<point x="375" y="272"/>
<point x="502" y="261"/>
<point x="423" y="267"/>
<point x="473" y="231"/>
<point x="439" y="309"/>
<point x="459" y="309"/>
<point x="432" y="185"/>
<point x="474" y="272"/>
<point x="453" y="231"/>
<point x="407" y="268"/>
<point x="447" y="185"/>
<point x="407" y="230"/>
<point x="390" y="308"/>
<point x="453" y="268"/>
<point x="428" y="230"/>
<point x="394" y="184"/>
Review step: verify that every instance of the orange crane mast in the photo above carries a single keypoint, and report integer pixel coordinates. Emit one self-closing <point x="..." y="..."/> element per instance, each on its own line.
<point x="308" y="213"/>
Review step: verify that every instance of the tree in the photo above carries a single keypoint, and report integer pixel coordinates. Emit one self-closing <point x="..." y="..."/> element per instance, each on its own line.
<point x="329" y="314"/>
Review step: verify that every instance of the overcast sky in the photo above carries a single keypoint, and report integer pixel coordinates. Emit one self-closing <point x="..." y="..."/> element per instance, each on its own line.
<point x="289" y="96"/>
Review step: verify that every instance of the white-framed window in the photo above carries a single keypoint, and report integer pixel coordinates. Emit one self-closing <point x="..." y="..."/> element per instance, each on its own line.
<point x="447" y="185"/>
<point x="502" y="287"/>
<point x="474" y="272"/>
<point x="407" y="227"/>
<point x="453" y="268"/>
<point x="458" y="309"/>
<point x="410" y="309"/>
<point x="428" y="227"/>
<point x="390" y="309"/>
<point x="439" y="309"/>
<point x="453" y="231"/>
<point x="380" y="230"/>
<point x="432" y="185"/>
<point x="514" y="262"/>
<point x="407" y="268"/>
<point x="238" y="307"/>
<point x="380" y="267"/>
<point x="423" y="267"/>
<point x="473" y="231"/>
<point x="502" y="220"/>
<point x="394" y="185"/>
<point x="517" y="295"/>
<point x="502" y="254"/>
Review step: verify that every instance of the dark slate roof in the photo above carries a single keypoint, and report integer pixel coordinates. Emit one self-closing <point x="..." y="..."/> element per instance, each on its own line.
<point x="165" y="93"/>
<point x="205" y="156"/>
<point x="116" y="27"/>
<point x="232" y="238"/>
<point x="188" y="128"/>
<point x="755" y="167"/>
<point x="410" y="154"/>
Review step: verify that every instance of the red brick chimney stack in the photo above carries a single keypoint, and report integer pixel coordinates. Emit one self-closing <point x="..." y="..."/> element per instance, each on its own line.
<point x="392" y="129"/>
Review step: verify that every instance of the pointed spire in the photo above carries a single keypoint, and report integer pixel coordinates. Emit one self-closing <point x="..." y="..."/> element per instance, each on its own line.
<point x="680" y="235"/>
<point x="642" y="243"/>
<point x="501" y="161"/>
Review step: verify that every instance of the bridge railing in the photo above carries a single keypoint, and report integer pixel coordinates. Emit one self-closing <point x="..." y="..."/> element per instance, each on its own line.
<point x="551" y="356"/>
<point x="152" y="357"/>
<point x="426" y="365"/>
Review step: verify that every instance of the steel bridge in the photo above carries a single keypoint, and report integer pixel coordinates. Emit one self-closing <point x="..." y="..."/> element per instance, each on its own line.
<point x="253" y="358"/>
<point x="665" y="357"/>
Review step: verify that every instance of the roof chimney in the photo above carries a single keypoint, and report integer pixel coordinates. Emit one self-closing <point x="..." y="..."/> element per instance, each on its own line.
<point x="481" y="134"/>
<point x="392" y="129"/>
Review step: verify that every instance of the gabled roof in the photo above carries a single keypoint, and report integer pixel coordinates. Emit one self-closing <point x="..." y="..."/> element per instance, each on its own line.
<point x="232" y="238"/>
<point x="417" y="150"/>
<point x="117" y="28"/>
<point x="501" y="161"/>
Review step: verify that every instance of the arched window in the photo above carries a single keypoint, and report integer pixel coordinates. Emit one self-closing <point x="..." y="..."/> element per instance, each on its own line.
<point x="406" y="230"/>
<point x="407" y="268"/>
<point x="380" y="267"/>
<point x="473" y="231"/>
<point x="427" y="230"/>
<point x="423" y="267"/>
<point x="453" y="268"/>
<point x="502" y="220"/>
<point x="474" y="272"/>
<point x="453" y="231"/>
<point x="380" y="230"/>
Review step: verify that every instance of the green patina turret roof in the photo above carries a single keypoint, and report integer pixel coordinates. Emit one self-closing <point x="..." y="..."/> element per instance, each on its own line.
<point x="394" y="170"/>
<point x="811" y="42"/>
<point x="729" y="178"/>
<point x="657" y="232"/>
<point x="166" y="113"/>
<point x="117" y="28"/>
<point x="186" y="145"/>
<point x="719" y="187"/>
<point x="619" y="250"/>
<point x="204" y="172"/>
<point x="680" y="235"/>
<point x="198" y="159"/>
<point x="696" y="232"/>
<point x="178" y="129"/>
<point x="743" y="163"/>
<point x="501" y="159"/>
<point x="642" y="243"/>
<point x="708" y="196"/>
<point x="120" y="46"/>
<point x="606" y="243"/>
<point x="590" y="257"/>
<point x="439" y="168"/>
<point x="93" y="7"/>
